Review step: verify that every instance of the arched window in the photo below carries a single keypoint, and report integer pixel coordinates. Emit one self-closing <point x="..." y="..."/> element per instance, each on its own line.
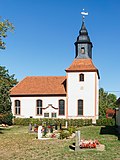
<point x="81" y="77"/>
<point x="39" y="106"/>
<point x="17" y="107"/>
<point x="80" y="107"/>
<point x="61" y="107"/>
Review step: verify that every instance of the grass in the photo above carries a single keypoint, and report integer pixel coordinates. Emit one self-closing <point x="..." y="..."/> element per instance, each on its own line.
<point x="17" y="144"/>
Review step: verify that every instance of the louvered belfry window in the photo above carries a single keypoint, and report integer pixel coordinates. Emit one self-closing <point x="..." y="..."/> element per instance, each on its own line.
<point x="81" y="77"/>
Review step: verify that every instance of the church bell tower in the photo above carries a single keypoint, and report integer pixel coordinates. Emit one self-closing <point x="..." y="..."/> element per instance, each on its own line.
<point x="83" y="80"/>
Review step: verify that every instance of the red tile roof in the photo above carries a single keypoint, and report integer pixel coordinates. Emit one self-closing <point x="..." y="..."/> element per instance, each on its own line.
<point x="40" y="85"/>
<point x="80" y="65"/>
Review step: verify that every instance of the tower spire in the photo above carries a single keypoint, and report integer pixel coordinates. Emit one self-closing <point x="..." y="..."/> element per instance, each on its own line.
<point x="83" y="44"/>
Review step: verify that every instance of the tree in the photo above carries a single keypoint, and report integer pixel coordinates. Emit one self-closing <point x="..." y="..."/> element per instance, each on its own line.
<point x="106" y="100"/>
<point x="5" y="26"/>
<point x="6" y="82"/>
<point x="5" y="102"/>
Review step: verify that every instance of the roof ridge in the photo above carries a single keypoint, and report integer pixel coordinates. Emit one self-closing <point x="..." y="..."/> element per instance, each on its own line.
<point x="44" y="76"/>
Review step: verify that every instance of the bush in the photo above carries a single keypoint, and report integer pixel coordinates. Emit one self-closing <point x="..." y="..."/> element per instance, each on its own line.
<point x="51" y="121"/>
<point x="72" y="130"/>
<point x="6" y="118"/>
<point x="81" y="123"/>
<point x="64" y="134"/>
<point x="26" y="121"/>
<point x="105" y="122"/>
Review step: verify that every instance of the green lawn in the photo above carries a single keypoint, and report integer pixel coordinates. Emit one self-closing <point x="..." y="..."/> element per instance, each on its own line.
<point x="17" y="144"/>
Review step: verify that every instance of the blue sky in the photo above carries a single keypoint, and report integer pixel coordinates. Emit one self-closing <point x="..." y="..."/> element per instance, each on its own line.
<point x="45" y="32"/>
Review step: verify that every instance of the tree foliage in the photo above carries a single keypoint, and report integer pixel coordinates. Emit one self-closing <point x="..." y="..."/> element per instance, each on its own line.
<point x="106" y="100"/>
<point x="6" y="82"/>
<point x="5" y="26"/>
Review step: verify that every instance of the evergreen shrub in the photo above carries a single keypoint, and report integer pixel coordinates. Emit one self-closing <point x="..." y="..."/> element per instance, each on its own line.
<point x="51" y="121"/>
<point x="64" y="134"/>
<point x="71" y="129"/>
<point x="6" y="118"/>
<point x="105" y="122"/>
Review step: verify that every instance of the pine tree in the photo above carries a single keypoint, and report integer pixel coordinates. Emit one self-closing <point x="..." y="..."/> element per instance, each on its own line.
<point x="6" y="82"/>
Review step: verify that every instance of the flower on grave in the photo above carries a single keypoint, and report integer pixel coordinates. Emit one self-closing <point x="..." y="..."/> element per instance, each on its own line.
<point x="89" y="143"/>
<point x="49" y="126"/>
<point x="97" y="142"/>
<point x="35" y="129"/>
<point x="53" y="135"/>
<point x="42" y="130"/>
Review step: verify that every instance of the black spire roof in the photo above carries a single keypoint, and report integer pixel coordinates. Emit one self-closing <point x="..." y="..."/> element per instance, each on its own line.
<point x="83" y="45"/>
<point x="83" y="34"/>
<point x="83" y="30"/>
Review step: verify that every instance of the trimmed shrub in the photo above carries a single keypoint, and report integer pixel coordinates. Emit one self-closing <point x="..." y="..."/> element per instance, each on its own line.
<point x="51" y="121"/>
<point x="27" y="121"/>
<point x="105" y="122"/>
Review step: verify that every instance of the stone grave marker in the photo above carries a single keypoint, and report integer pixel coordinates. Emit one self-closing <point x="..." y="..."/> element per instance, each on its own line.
<point x="30" y="128"/>
<point x="60" y="126"/>
<point x="56" y="127"/>
<point x="77" y="144"/>
<point x="66" y="124"/>
<point x="39" y="132"/>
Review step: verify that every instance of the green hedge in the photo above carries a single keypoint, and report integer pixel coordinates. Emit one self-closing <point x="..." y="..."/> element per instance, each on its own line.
<point x="105" y="122"/>
<point x="6" y="118"/>
<point x="71" y="122"/>
<point x="48" y="121"/>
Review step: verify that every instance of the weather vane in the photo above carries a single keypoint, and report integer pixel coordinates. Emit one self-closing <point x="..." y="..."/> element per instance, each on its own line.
<point x="83" y="13"/>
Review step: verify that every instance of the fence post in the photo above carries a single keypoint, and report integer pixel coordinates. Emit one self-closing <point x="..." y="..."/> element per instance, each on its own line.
<point x="77" y="144"/>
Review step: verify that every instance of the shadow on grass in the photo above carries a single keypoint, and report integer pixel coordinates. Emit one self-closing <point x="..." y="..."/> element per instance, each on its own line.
<point x="1" y="129"/>
<point x="112" y="130"/>
<point x="1" y="132"/>
<point x="72" y="147"/>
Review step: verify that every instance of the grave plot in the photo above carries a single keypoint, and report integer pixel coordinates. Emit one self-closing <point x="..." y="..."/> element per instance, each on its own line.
<point x="52" y="131"/>
<point x="82" y="144"/>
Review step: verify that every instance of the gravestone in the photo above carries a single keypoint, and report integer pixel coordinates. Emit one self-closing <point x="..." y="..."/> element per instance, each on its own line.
<point x="56" y="126"/>
<point x="35" y="125"/>
<point x="66" y="124"/>
<point x="30" y="128"/>
<point x="60" y="126"/>
<point x="77" y="144"/>
<point x="39" y="132"/>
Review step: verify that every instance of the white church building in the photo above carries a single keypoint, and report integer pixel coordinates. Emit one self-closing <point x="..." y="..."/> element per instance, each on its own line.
<point x="73" y="96"/>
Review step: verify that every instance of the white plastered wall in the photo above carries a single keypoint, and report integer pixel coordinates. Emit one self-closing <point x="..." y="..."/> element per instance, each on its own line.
<point x="87" y="91"/>
<point x="28" y="106"/>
